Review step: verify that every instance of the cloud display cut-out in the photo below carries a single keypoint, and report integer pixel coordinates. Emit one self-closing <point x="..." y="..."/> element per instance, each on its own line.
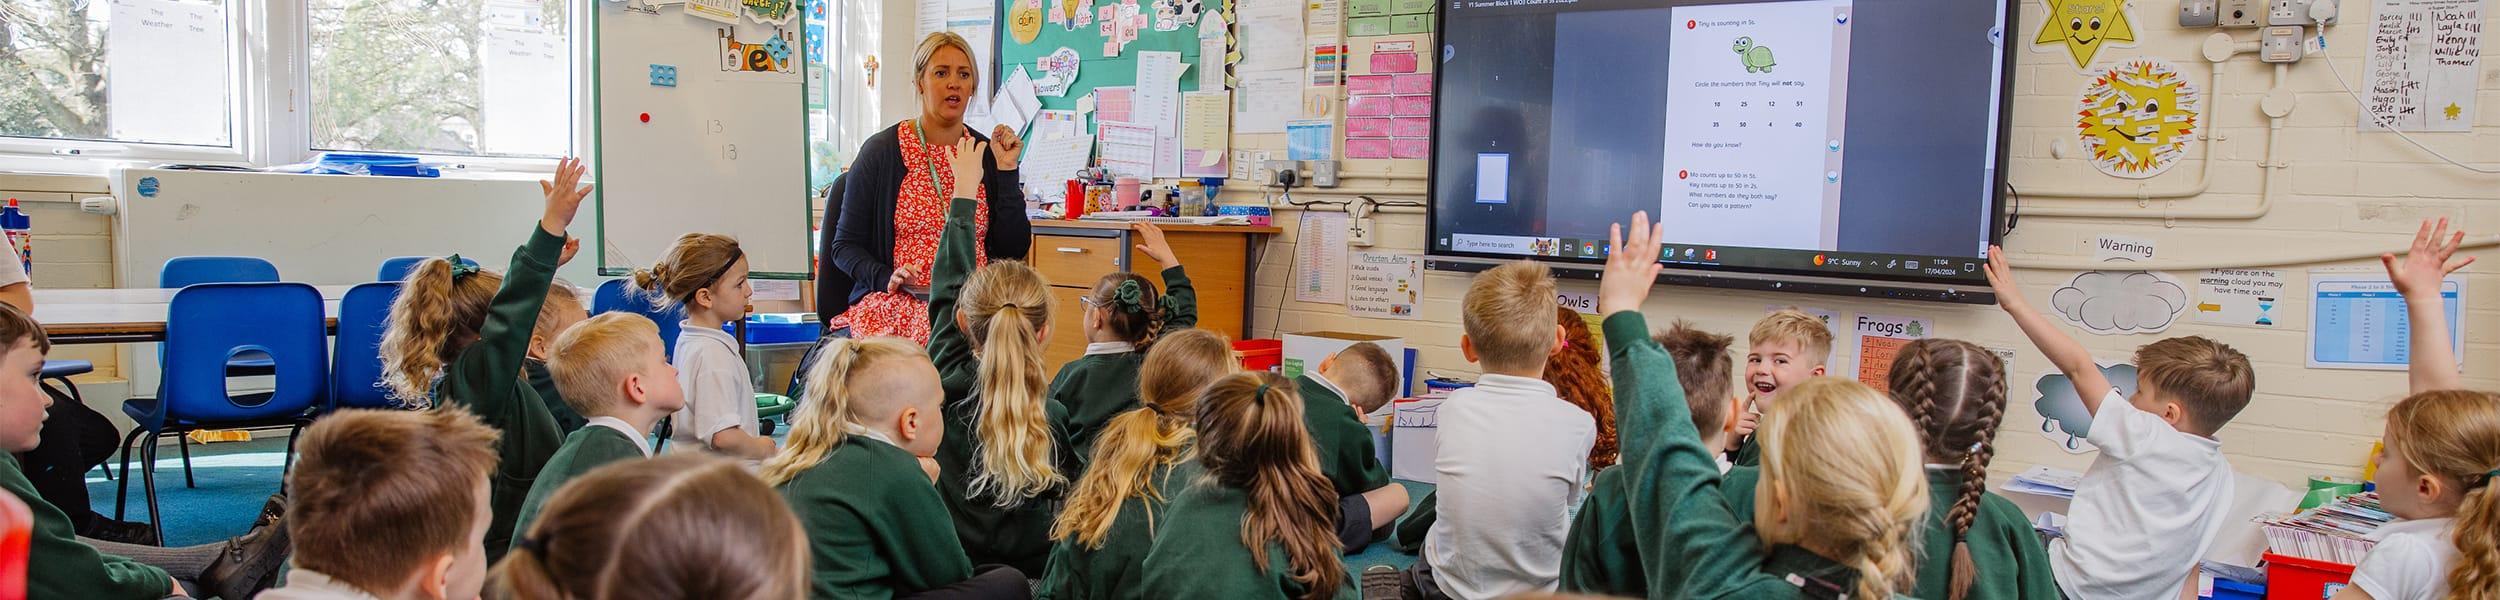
<point x="2063" y="418"/>
<point x="2121" y="302"/>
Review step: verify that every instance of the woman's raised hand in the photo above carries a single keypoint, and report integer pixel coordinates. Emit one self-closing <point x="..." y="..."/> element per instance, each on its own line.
<point x="965" y="160"/>
<point x="1006" y="146"/>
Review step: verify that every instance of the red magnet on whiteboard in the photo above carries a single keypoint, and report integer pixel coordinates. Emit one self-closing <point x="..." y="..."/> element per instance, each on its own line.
<point x="646" y="117"/>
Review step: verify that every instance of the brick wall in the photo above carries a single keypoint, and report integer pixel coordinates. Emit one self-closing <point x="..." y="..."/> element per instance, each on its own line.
<point x="2343" y="190"/>
<point x="73" y="249"/>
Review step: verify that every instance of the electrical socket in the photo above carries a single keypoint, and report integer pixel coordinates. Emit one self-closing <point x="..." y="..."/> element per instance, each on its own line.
<point x="1282" y="173"/>
<point x="2241" y="13"/>
<point x="2287" y="13"/>
<point x="1360" y="235"/>
<point x="1324" y="173"/>
<point x="2198" y="13"/>
<point x="2280" y="45"/>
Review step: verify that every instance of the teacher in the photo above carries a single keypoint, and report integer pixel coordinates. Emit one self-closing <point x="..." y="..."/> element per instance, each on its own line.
<point x="895" y="195"/>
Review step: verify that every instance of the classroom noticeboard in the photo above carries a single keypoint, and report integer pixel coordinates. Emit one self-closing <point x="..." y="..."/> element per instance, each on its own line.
<point x="1096" y="69"/>
<point x="700" y="126"/>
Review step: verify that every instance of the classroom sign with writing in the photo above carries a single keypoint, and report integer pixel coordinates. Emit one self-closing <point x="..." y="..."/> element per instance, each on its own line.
<point x="2240" y="297"/>
<point x="2424" y="65"/>
<point x="1384" y="284"/>
<point x="1879" y="341"/>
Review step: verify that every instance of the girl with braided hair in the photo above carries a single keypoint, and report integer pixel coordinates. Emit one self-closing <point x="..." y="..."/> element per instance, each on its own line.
<point x="1124" y="314"/>
<point x="1978" y="545"/>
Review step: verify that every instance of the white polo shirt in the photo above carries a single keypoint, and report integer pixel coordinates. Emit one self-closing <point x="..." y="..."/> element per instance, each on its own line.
<point x="718" y="393"/>
<point x="1513" y="463"/>
<point x="2146" y="511"/>
<point x="2410" y="561"/>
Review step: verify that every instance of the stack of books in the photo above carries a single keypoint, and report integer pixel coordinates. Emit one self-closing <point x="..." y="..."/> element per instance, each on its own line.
<point x="2337" y="532"/>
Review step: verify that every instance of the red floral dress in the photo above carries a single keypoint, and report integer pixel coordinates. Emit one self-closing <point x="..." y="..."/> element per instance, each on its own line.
<point x="919" y="218"/>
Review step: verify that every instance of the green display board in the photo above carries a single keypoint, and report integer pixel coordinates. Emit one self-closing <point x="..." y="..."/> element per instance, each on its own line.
<point x="1096" y="70"/>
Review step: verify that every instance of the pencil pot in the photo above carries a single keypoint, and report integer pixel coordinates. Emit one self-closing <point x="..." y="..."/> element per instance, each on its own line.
<point x="2289" y="578"/>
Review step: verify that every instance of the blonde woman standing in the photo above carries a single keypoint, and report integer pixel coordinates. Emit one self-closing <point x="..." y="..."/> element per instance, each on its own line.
<point x="894" y="200"/>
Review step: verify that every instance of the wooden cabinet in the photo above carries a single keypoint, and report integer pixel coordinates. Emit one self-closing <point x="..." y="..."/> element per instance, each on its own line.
<point x="1073" y="255"/>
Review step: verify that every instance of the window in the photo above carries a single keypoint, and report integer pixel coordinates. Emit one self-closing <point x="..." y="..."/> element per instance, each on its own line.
<point x="146" y="71"/>
<point x="841" y="106"/>
<point x="463" y="77"/>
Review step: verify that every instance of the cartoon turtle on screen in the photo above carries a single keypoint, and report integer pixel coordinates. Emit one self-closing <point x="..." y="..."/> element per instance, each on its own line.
<point x="1757" y="58"/>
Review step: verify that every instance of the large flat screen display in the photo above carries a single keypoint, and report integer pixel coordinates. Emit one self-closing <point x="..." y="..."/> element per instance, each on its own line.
<point x="1852" y="139"/>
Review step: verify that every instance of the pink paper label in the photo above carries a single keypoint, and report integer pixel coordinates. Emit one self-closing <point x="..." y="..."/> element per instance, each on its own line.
<point x="1367" y="149"/>
<point x="1414" y="106"/>
<point x="1407" y="127"/>
<point x="1368" y="128"/>
<point x="1368" y="84"/>
<point x="1410" y="149"/>
<point x="1399" y="62"/>
<point x="1418" y="83"/>
<point x="1370" y="106"/>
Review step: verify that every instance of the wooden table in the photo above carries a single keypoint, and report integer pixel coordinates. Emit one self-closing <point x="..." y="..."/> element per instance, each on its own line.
<point x="125" y="315"/>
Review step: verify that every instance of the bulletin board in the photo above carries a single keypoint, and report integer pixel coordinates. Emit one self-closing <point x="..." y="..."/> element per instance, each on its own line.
<point x="1097" y="70"/>
<point x="700" y="126"/>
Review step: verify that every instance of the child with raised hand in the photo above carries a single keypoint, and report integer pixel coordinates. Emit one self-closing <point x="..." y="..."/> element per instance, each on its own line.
<point x="999" y="465"/>
<point x="1258" y="524"/>
<point x="1141" y="461"/>
<point x="1978" y="544"/>
<point x="1785" y="348"/>
<point x="611" y="368"/>
<point x="2442" y="451"/>
<point x="1347" y="385"/>
<point x="680" y="526"/>
<point x="853" y="475"/>
<point x="459" y="336"/>
<point x="58" y="563"/>
<point x="1124" y="315"/>
<point x="2151" y="504"/>
<point x="1840" y="497"/>
<point x="389" y="504"/>
<point x="562" y="311"/>
<point x="1600" y="554"/>
<point x="707" y="274"/>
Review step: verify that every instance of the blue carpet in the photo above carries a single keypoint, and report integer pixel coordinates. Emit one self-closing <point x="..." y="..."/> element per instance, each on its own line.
<point x="234" y="479"/>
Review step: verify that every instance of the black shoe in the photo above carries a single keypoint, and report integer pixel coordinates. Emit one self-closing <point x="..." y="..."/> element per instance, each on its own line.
<point x="248" y="563"/>
<point x="1382" y="582"/>
<point x="271" y="510"/>
<point x="127" y="532"/>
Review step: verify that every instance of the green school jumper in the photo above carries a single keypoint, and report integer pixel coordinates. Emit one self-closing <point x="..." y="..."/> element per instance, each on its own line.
<point x="875" y="527"/>
<point x="60" y="566"/>
<point x="1691" y="544"/>
<point x="588" y="448"/>
<point x="1344" y="444"/>
<point x="1018" y="535"/>
<point x="1600" y="555"/>
<point x="1113" y="571"/>
<point x="1408" y="536"/>
<point x="1748" y="453"/>
<point x="1199" y="554"/>
<point x="2007" y="557"/>
<point x="544" y="381"/>
<point x="1097" y="387"/>
<point x="486" y="379"/>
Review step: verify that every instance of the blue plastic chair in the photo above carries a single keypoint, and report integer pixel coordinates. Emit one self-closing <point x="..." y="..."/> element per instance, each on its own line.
<point x="397" y="268"/>
<point x="187" y="271"/>
<point x="356" y="365"/>
<point x="613" y="296"/>
<point x="206" y="325"/>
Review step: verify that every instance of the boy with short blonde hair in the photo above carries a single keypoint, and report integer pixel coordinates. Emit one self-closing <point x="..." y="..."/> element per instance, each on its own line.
<point x="1513" y="455"/>
<point x="1784" y="349"/>
<point x="2151" y="504"/>
<point x="374" y="501"/>
<point x="612" y="370"/>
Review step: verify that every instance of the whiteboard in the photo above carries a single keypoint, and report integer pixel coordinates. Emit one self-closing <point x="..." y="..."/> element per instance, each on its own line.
<point x="324" y="229"/>
<point x="724" y="151"/>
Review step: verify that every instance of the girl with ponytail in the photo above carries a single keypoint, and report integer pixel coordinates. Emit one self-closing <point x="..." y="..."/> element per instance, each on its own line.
<point x="706" y="274"/>
<point x="683" y="526"/>
<point x="1144" y="456"/>
<point x="854" y="476"/>
<point x="459" y="336"/>
<point x="1978" y="544"/>
<point x="1839" y="502"/>
<point x="1124" y="315"/>
<point x="2441" y="454"/>
<point x="1001" y="464"/>
<point x="1261" y="523"/>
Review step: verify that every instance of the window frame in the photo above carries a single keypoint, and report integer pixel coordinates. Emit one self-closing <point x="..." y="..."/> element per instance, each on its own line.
<point x="270" y="42"/>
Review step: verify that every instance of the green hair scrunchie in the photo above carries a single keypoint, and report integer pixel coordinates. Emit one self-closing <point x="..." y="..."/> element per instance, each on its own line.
<point x="1130" y="297"/>
<point x="461" y="267"/>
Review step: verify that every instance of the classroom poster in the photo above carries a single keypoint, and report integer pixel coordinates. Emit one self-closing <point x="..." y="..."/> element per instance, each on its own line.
<point x="2063" y="418"/>
<point x="2358" y="321"/>
<point x="2240" y="297"/>
<point x="1384" y="284"/>
<point x="1319" y="258"/>
<point x="2121" y="302"/>
<point x="1879" y="338"/>
<point x="2424" y="62"/>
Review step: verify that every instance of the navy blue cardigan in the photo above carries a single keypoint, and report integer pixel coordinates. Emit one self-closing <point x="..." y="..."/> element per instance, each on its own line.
<point x="862" y="228"/>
